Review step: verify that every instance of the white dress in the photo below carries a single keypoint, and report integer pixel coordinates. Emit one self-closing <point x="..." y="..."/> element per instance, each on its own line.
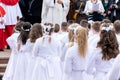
<point x="74" y="64"/>
<point x="22" y="63"/>
<point x="93" y="40"/>
<point x="53" y="12"/>
<point x="98" y="67"/>
<point x="48" y="63"/>
<point x="9" y="72"/>
<point x="114" y="73"/>
<point x="30" y="59"/>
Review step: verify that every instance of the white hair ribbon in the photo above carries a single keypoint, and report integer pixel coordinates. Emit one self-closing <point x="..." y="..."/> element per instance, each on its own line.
<point x="107" y="28"/>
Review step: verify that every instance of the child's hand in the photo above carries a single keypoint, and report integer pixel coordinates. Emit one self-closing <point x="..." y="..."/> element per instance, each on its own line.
<point x="2" y="21"/>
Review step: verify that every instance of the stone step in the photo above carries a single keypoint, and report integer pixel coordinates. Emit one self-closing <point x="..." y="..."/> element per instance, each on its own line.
<point x="4" y="60"/>
<point x="3" y="67"/>
<point x="1" y="75"/>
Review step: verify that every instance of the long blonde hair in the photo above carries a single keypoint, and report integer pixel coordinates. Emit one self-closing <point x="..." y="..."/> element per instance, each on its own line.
<point x="82" y="38"/>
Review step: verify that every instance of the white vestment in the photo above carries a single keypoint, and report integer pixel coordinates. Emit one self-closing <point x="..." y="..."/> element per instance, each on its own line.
<point x="11" y="14"/>
<point x="54" y="12"/>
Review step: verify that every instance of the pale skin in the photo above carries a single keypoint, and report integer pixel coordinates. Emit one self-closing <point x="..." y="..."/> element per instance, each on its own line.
<point x="59" y="1"/>
<point x="2" y="21"/>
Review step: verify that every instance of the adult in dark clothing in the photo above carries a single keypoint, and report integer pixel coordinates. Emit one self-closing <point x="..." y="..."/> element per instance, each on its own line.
<point x="114" y="10"/>
<point x="32" y="10"/>
<point x="24" y="6"/>
<point x="106" y="4"/>
<point x="79" y="9"/>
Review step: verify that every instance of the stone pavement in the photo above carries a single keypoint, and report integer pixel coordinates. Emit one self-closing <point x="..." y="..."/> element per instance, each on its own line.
<point x="5" y="53"/>
<point x="4" y="57"/>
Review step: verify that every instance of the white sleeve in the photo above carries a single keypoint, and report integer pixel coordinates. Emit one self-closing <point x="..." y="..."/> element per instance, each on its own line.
<point x="36" y="48"/>
<point x="101" y="7"/>
<point x="68" y="63"/>
<point x="12" y="43"/>
<point x="66" y="4"/>
<point x="18" y="11"/>
<point x="86" y="8"/>
<point x="114" y="72"/>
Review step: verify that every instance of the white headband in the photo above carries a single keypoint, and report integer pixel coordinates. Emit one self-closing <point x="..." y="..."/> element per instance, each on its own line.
<point x="25" y="29"/>
<point x="74" y="27"/>
<point x="107" y="28"/>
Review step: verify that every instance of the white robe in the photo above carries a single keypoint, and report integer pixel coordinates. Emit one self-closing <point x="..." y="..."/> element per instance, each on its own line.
<point x="75" y="65"/>
<point x="98" y="67"/>
<point x="48" y="63"/>
<point x="10" y="70"/>
<point x="54" y="13"/>
<point x="118" y="39"/>
<point x="2" y="26"/>
<point x="114" y="73"/>
<point x="11" y="14"/>
<point x="93" y="40"/>
<point x="22" y="63"/>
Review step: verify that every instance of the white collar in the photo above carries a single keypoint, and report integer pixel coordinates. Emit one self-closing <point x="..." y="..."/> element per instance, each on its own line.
<point x="116" y="1"/>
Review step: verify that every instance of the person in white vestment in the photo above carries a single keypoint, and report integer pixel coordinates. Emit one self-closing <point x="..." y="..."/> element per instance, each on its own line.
<point x="21" y="64"/>
<point x="47" y="51"/>
<point x="102" y="58"/>
<point x="12" y="42"/>
<point x="93" y="40"/>
<point x="117" y="30"/>
<point x="35" y="33"/>
<point x="55" y="11"/>
<point x="77" y="57"/>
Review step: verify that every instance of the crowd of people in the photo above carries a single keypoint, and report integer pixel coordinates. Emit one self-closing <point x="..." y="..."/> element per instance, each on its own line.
<point x="44" y="46"/>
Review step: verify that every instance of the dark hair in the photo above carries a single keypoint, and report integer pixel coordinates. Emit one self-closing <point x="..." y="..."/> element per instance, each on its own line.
<point x="24" y="35"/>
<point x="84" y="23"/>
<point x="36" y="32"/>
<point x="117" y="26"/>
<point x="96" y="26"/>
<point x="64" y="26"/>
<point x="108" y="43"/>
<point x="56" y="28"/>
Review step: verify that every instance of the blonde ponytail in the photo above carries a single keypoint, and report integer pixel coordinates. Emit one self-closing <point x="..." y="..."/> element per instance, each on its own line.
<point x="82" y="39"/>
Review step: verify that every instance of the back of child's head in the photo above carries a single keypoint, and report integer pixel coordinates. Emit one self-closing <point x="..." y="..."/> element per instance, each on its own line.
<point x="64" y="26"/>
<point x="106" y="21"/>
<point x="96" y="26"/>
<point x="48" y="29"/>
<point x="18" y="26"/>
<point x="108" y="42"/>
<point x="24" y="35"/>
<point x="84" y="23"/>
<point x="56" y="28"/>
<point x="117" y="26"/>
<point x="36" y="32"/>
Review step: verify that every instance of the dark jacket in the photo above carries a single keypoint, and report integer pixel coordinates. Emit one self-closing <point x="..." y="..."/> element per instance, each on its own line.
<point x="117" y="17"/>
